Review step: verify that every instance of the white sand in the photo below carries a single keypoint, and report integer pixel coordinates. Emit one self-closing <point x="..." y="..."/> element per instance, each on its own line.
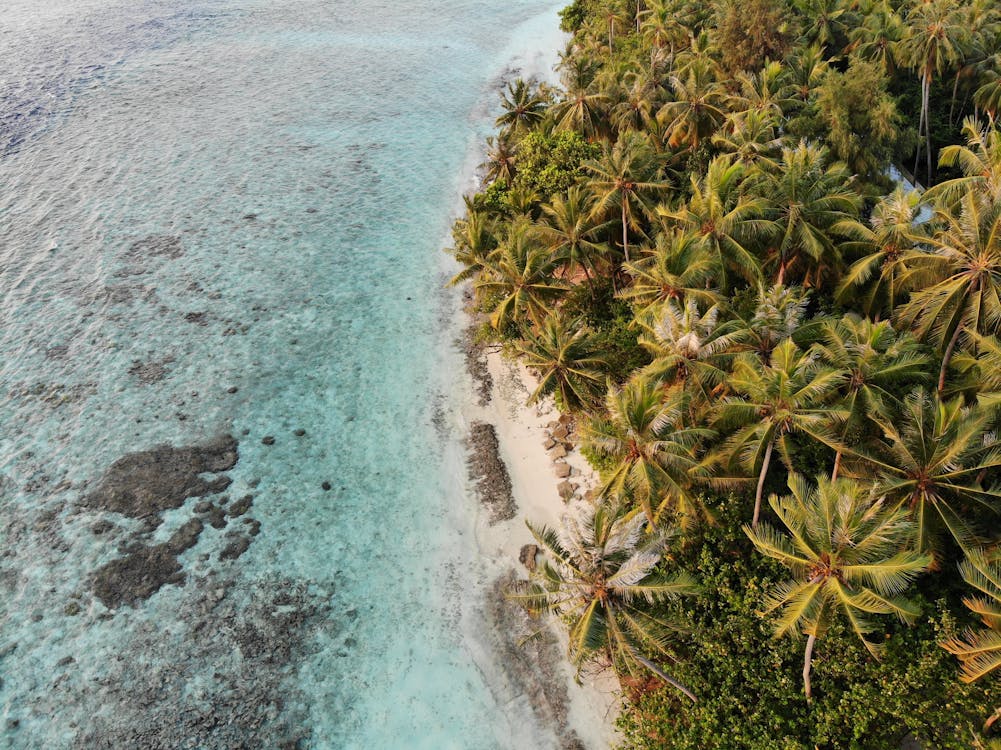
<point x="521" y="432"/>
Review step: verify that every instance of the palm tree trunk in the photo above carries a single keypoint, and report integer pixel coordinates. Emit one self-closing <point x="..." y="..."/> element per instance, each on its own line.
<point x="761" y="482"/>
<point x="837" y="466"/>
<point x="921" y="122"/>
<point x="928" y="128"/>
<point x="952" y="104"/>
<point x="625" y="229"/>
<point x="948" y="356"/>
<point x="807" y="663"/>
<point x="664" y="676"/>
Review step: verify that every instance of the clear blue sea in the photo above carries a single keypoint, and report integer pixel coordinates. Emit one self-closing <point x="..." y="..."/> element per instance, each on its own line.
<point x="226" y="217"/>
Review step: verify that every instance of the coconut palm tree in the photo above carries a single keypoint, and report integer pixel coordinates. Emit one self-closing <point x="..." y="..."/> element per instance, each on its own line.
<point x="887" y="246"/>
<point x="876" y="362"/>
<point x="932" y="461"/>
<point x="825" y="20"/>
<point x="626" y="181"/>
<point x="779" y="313"/>
<point x="663" y="25"/>
<point x="689" y="347"/>
<point x="524" y="108"/>
<point x="878" y="35"/>
<point x="808" y="198"/>
<point x="568" y="228"/>
<point x="519" y="277"/>
<point x="764" y="91"/>
<point x="501" y="162"/>
<point x="602" y="567"/>
<point x="934" y="38"/>
<point x="788" y="395"/>
<point x="751" y="138"/>
<point x="567" y="362"/>
<point x="959" y="282"/>
<point x="677" y="268"/>
<point x="653" y="452"/>
<point x="474" y="242"/>
<point x="847" y="553"/>
<point x="636" y="103"/>
<point x="980" y="161"/>
<point x="699" y="105"/>
<point x="725" y="219"/>
<point x="583" y="109"/>
<point x="980" y="650"/>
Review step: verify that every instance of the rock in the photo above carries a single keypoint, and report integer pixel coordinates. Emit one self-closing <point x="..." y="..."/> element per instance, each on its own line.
<point x="565" y="420"/>
<point x="65" y="661"/>
<point x="528" y="555"/>
<point x="487" y="470"/>
<point x="102" y="527"/>
<point x="299" y="433"/>
<point x="566" y="490"/>
<point x="146" y="483"/>
<point x="232" y="389"/>
<point x="236" y="547"/>
<point x="186" y="536"/>
<point x="326" y="486"/>
<point x="13" y="724"/>
<point x="254" y="526"/>
<point x="560" y="433"/>
<point x="137" y="576"/>
<point x="558" y="452"/>
<point x="203" y="506"/>
<point x="216" y="518"/>
<point x="562" y="469"/>
<point x="268" y="440"/>
<point x="72" y="609"/>
<point x="550" y="443"/>
<point x="241" y="506"/>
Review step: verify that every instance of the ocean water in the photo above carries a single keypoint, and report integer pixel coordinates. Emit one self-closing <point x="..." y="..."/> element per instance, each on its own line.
<point x="224" y="217"/>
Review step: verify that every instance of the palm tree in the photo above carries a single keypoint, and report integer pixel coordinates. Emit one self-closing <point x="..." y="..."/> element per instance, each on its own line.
<point x="763" y="91"/>
<point x="524" y="108"/>
<point x="626" y="178"/>
<point x="875" y="361"/>
<point x="699" y="105"/>
<point x="582" y="109"/>
<point x="519" y="276"/>
<point x="474" y="242"/>
<point x="980" y="650"/>
<point x="638" y="99"/>
<point x="751" y="137"/>
<point x="846" y="553"/>
<point x="567" y="362"/>
<point x="654" y="453"/>
<point x="825" y="18"/>
<point x="788" y="395"/>
<point x="500" y="163"/>
<point x="809" y="198"/>
<point x="887" y="246"/>
<point x="931" y="462"/>
<point x="804" y="72"/>
<point x="724" y="218"/>
<point x="603" y="567"/>
<point x="677" y="268"/>
<point x="980" y="161"/>
<point x="778" y="314"/>
<point x="878" y="35"/>
<point x="569" y="231"/>
<point x="933" y="41"/>
<point x="663" y="25"/>
<point x="689" y="347"/>
<point x="958" y="283"/>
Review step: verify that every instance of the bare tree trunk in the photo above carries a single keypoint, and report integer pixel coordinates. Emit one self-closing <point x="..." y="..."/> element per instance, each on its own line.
<point x="625" y="229"/>
<point x="761" y="482"/>
<point x="948" y="356"/>
<point x="837" y="466"/>
<point x="807" y="663"/>
<point x="921" y="122"/>
<point x="955" y="89"/>
<point x="664" y="676"/>
<point x="928" y="128"/>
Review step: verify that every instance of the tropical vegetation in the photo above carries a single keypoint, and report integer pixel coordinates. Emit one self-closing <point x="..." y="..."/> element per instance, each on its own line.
<point x="754" y="250"/>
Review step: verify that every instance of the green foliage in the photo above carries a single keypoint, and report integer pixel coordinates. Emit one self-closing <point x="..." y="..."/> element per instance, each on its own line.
<point x="749" y="32"/>
<point x="747" y="682"/>
<point x="551" y="163"/>
<point x="573" y="16"/>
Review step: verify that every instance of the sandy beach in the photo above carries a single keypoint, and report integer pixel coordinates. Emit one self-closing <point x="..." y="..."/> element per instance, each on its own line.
<point x="583" y="713"/>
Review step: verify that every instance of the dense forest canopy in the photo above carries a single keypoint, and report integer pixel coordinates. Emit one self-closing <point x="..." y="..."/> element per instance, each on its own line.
<point x="783" y="356"/>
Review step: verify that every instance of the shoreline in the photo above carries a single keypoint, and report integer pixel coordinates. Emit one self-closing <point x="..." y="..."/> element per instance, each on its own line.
<point x="582" y="715"/>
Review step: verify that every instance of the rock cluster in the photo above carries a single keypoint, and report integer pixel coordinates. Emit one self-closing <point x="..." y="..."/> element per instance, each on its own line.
<point x="489" y="473"/>
<point x="560" y="443"/>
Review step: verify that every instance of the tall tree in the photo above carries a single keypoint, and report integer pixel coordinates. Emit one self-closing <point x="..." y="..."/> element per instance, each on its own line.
<point x="653" y="452"/>
<point x="567" y="361"/>
<point x="524" y="107"/>
<point x="678" y="267"/>
<point x="980" y="650"/>
<point x="847" y="552"/>
<point x="773" y="401"/>
<point x="626" y="180"/>
<point x="601" y="568"/>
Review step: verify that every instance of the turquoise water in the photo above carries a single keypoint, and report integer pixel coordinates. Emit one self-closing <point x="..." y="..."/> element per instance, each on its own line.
<point x="197" y="197"/>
